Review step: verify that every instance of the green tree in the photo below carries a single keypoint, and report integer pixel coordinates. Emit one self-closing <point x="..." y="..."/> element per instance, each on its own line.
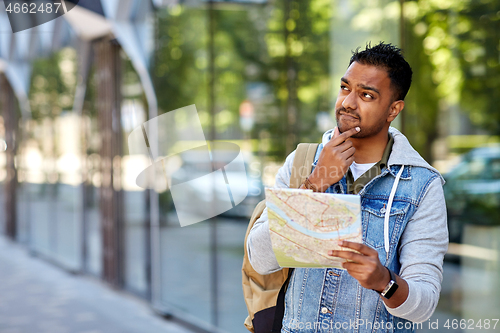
<point x="53" y="84"/>
<point x="281" y="46"/>
<point x="455" y="46"/>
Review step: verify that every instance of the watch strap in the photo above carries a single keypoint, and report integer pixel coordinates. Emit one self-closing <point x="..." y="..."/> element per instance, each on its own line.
<point x="391" y="287"/>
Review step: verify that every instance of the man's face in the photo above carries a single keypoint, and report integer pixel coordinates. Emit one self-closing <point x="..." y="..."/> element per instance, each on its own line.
<point x="364" y="100"/>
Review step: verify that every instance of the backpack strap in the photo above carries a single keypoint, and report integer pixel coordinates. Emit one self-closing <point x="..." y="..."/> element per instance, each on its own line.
<point x="265" y="294"/>
<point x="301" y="169"/>
<point x="280" y="304"/>
<point x="302" y="163"/>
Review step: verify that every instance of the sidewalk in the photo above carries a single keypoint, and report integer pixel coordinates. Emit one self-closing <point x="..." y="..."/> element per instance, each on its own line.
<point x="37" y="297"/>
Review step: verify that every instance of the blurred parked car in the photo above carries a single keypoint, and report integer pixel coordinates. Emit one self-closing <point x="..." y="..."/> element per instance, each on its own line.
<point x="472" y="191"/>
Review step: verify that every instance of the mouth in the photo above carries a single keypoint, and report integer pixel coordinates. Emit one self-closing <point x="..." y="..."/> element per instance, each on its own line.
<point x="348" y="116"/>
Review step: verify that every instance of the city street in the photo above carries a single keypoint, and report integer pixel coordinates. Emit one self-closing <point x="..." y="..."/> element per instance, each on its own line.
<point x="38" y="297"/>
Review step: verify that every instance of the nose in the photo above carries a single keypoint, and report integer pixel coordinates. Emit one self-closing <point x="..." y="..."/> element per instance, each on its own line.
<point x="350" y="101"/>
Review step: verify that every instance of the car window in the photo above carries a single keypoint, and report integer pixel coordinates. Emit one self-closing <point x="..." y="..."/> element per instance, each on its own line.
<point x="495" y="168"/>
<point x="473" y="169"/>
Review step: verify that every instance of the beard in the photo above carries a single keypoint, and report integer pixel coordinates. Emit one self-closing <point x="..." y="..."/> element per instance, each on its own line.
<point x="366" y="131"/>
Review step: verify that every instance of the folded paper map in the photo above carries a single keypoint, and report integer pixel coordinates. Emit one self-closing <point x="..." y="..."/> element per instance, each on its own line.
<point x="305" y="225"/>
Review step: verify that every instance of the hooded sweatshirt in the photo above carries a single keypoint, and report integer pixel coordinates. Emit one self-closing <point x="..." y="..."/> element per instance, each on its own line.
<point x="421" y="249"/>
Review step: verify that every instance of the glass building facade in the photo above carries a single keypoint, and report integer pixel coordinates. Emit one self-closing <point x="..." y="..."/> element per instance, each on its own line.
<point x="264" y="76"/>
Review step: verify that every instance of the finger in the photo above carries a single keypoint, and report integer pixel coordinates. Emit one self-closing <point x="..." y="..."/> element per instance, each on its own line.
<point x="352" y="256"/>
<point x="361" y="248"/>
<point x="345" y="146"/>
<point x="347" y="134"/>
<point x="352" y="267"/>
<point x="349" y="160"/>
<point x="348" y="153"/>
<point x="335" y="135"/>
<point x="341" y="148"/>
<point x="336" y="132"/>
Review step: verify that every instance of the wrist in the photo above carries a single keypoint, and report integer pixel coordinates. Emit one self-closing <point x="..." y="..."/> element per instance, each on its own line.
<point x="318" y="183"/>
<point x="384" y="281"/>
<point x="309" y="186"/>
<point x="391" y="288"/>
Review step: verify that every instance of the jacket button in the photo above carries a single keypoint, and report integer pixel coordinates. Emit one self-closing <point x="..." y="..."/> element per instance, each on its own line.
<point x="324" y="310"/>
<point x="330" y="272"/>
<point x="382" y="210"/>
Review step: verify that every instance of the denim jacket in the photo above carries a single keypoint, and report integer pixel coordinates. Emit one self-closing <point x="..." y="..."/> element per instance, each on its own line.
<point x="330" y="300"/>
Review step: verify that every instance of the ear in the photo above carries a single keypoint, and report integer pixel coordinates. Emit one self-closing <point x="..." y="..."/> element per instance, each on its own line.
<point x="395" y="108"/>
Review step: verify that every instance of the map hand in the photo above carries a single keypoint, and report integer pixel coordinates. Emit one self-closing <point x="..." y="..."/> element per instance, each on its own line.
<point x="364" y="265"/>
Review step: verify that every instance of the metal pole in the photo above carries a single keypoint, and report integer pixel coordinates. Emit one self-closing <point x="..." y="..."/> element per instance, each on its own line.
<point x="111" y="203"/>
<point x="84" y="60"/>
<point x="10" y="121"/>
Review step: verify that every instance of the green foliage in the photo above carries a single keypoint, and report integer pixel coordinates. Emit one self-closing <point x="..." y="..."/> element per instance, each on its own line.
<point x="286" y="46"/>
<point x="180" y="58"/>
<point x="298" y="43"/>
<point x="480" y="60"/>
<point x="421" y="110"/>
<point x="253" y="46"/>
<point x="53" y="84"/>
<point x="460" y="39"/>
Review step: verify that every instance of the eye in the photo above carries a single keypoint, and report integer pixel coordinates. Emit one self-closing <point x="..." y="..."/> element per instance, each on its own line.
<point x="343" y="87"/>
<point x="367" y="95"/>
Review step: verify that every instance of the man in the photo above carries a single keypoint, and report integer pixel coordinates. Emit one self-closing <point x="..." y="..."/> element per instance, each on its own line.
<point x="394" y="279"/>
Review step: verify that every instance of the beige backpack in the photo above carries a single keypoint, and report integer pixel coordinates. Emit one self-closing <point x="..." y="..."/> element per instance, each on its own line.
<point x="264" y="294"/>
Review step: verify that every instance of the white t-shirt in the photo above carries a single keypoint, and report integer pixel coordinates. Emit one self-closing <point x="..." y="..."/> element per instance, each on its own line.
<point x="359" y="169"/>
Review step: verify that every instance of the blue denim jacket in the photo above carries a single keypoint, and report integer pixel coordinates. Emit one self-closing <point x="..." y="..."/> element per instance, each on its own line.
<point x="330" y="300"/>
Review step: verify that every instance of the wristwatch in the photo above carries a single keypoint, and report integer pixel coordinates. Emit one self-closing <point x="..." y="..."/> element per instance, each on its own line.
<point x="391" y="287"/>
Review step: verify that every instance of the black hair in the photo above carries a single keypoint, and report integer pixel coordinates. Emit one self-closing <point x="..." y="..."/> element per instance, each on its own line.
<point x="390" y="58"/>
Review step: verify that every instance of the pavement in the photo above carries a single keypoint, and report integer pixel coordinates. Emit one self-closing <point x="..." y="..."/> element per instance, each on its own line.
<point x="38" y="297"/>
